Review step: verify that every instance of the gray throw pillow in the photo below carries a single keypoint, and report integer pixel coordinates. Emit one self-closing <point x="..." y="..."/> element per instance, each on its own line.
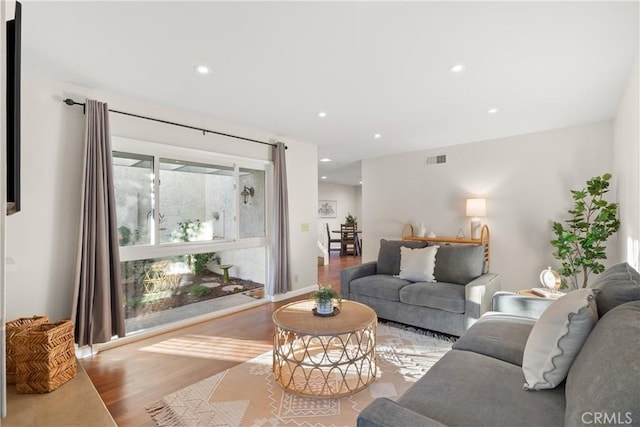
<point x="459" y="263"/>
<point x="614" y="286"/>
<point x="556" y="339"/>
<point x="389" y="255"/>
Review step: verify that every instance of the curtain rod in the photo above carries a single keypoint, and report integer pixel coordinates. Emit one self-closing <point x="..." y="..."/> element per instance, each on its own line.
<point x="71" y="102"/>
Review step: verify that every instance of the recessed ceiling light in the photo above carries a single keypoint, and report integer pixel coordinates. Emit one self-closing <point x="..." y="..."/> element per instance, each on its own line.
<point x="202" y="69"/>
<point x="323" y="177"/>
<point x="377" y="136"/>
<point x="492" y="110"/>
<point x="360" y="182"/>
<point x="456" y="68"/>
<point x="325" y="159"/>
<point x="322" y="114"/>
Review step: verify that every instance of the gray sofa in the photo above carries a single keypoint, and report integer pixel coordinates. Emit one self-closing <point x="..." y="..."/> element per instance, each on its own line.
<point x="480" y="381"/>
<point x="459" y="297"/>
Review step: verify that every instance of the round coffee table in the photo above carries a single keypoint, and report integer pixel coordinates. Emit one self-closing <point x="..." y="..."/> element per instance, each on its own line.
<point x="324" y="356"/>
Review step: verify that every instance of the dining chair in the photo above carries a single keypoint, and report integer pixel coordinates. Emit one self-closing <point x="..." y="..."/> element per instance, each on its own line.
<point x="330" y="240"/>
<point x="348" y="238"/>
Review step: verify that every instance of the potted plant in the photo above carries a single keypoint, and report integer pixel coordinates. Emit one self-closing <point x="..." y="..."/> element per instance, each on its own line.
<point x="350" y="219"/>
<point x="581" y="244"/>
<point x="324" y="297"/>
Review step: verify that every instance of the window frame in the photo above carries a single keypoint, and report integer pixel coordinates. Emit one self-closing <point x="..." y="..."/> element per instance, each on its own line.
<point x="155" y="249"/>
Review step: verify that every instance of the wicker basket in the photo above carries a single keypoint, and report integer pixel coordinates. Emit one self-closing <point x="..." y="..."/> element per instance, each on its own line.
<point x="45" y="357"/>
<point x="12" y="328"/>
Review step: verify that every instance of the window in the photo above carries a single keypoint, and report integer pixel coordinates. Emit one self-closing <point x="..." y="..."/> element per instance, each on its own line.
<point x="196" y="201"/>
<point x="192" y="228"/>
<point x="133" y="180"/>
<point x="252" y="213"/>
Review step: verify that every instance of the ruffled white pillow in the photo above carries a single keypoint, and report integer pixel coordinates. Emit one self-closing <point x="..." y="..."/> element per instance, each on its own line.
<point x="418" y="265"/>
<point x="556" y="339"/>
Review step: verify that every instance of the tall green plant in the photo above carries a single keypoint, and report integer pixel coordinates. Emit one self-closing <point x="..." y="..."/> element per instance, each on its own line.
<point x="580" y="244"/>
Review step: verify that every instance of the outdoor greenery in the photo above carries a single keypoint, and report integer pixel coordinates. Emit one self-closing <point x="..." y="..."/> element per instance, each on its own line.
<point x="136" y="301"/>
<point x="189" y="231"/>
<point x="199" y="290"/>
<point x="580" y="243"/>
<point x="124" y="233"/>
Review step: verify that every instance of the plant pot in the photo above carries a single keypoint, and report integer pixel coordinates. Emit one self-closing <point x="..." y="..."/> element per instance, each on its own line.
<point x="324" y="307"/>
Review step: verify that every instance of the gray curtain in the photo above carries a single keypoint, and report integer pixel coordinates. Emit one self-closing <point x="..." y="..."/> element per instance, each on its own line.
<point x="280" y="273"/>
<point x="98" y="311"/>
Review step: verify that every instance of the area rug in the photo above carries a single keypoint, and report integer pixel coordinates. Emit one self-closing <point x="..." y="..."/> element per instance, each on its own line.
<point x="247" y="395"/>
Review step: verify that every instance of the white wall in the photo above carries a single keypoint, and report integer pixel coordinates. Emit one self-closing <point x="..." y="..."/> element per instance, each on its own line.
<point x="349" y="200"/>
<point x="526" y="180"/>
<point x="42" y="238"/>
<point x="626" y="166"/>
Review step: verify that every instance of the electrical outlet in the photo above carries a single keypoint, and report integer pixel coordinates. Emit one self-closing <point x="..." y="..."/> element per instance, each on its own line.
<point x="295" y="278"/>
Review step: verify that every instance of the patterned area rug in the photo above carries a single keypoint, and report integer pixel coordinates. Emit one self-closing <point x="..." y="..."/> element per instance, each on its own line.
<point x="247" y="395"/>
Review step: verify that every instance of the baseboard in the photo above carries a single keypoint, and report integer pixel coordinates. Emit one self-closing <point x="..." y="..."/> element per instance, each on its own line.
<point x="168" y="328"/>
<point x="295" y="293"/>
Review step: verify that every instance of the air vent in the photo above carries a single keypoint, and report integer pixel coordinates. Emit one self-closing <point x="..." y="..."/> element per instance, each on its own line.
<point x="436" y="160"/>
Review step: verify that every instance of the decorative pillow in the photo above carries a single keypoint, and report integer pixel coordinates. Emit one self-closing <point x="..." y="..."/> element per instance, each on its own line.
<point x="459" y="263"/>
<point x="389" y="255"/>
<point x="417" y="265"/>
<point x="557" y="338"/>
<point x="614" y="286"/>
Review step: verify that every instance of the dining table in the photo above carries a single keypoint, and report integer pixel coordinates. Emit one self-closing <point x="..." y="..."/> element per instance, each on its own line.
<point x="358" y="240"/>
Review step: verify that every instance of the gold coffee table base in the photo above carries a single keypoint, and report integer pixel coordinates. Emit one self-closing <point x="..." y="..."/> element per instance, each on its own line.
<point x="309" y="359"/>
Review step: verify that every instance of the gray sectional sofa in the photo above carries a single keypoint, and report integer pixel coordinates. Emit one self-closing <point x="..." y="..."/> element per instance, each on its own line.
<point x="480" y="382"/>
<point x="461" y="294"/>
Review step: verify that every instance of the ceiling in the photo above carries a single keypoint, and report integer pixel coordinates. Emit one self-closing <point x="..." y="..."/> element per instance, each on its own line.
<point x="373" y="67"/>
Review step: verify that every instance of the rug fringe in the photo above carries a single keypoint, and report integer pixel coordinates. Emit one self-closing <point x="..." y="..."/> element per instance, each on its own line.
<point x="419" y="331"/>
<point x="162" y="414"/>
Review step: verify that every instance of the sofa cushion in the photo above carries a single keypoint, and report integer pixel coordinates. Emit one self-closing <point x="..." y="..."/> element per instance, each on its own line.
<point x="378" y="286"/>
<point x="499" y="335"/>
<point x="442" y="296"/>
<point x="469" y="389"/>
<point x="604" y="378"/>
<point x="556" y="339"/>
<point x="459" y="263"/>
<point x="389" y="254"/>
<point x="418" y="264"/>
<point x="616" y="285"/>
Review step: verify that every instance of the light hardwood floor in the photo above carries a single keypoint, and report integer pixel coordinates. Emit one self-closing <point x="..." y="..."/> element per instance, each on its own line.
<point x="131" y="376"/>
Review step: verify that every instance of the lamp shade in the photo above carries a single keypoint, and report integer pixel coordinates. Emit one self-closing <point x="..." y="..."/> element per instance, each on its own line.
<point x="476" y="207"/>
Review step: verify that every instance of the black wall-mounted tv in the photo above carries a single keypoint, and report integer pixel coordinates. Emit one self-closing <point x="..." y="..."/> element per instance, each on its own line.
<point x="13" y="110"/>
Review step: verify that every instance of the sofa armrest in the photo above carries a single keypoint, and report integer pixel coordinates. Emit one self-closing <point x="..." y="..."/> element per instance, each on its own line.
<point x="521" y="305"/>
<point x="350" y="273"/>
<point x="478" y="295"/>
<point x="385" y="412"/>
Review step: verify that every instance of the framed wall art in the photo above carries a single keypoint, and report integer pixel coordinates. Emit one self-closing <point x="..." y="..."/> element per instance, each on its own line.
<point x="327" y="208"/>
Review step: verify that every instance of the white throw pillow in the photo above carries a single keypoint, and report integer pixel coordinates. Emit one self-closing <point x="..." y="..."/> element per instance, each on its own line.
<point x="556" y="339"/>
<point x="418" y="265"/>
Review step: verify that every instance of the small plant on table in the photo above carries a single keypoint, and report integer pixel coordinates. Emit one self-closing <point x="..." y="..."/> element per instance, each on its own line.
<point x="324" y="297"/>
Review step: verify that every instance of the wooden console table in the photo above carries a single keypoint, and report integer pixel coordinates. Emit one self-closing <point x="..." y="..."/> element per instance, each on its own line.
<point x="407" y="234"/>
